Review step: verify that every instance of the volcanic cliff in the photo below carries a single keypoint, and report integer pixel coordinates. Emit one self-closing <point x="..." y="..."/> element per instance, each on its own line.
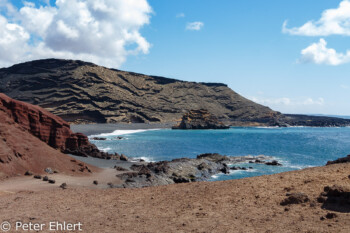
<point x="21" y="151"/>
<point x="83" y="92"/>
<point x="49" y="128"/>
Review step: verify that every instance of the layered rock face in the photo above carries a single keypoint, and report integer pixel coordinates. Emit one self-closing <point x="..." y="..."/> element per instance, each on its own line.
<point x="48" y="128"/>
<point x="83" y="92"/>
<point x="200" y="119"/>
<point x="20" y="151"/>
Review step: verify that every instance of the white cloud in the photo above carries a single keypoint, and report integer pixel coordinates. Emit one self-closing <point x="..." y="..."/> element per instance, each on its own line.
<point x="180" y="15"/>
<point x="194" y="26"/>
<point x="318" y="53"/>
<point x="332" y="22"/>
<point x="287" y="101"/>
<point x="101" y="31"/>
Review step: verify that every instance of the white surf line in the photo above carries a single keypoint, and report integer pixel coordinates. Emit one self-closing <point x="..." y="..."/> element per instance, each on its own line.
<point x="119" y="132"/>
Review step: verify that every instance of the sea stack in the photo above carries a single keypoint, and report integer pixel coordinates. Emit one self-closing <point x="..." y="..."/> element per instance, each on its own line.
<point x="200" y="119"/>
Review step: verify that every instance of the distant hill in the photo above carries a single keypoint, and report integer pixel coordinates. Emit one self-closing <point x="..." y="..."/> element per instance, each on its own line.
<point x="83" y="92"/>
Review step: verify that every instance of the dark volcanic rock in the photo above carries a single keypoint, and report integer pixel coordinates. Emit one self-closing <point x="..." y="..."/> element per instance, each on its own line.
<point x="215" y="157"/>
<point x="336" y="198"/>
<point x="49" y="128"/>
<point x="183" y="170"/>
<point x="83" y="92"/>
<point x="273" y="163"/>
<point x="99" y="139"/>
<point x="315" y="121"/>
<point x="200" y="119"/>
<point x="340" y="160"/>
<point x="295" y="198"/>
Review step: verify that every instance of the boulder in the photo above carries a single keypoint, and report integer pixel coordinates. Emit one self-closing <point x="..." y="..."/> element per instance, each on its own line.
<point x="124" y="157"/>
<point x="295" y="198"/>
<point x="273" y="163"/>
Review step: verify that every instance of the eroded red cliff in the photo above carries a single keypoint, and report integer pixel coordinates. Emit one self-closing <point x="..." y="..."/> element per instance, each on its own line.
<point x="48" y="128"/>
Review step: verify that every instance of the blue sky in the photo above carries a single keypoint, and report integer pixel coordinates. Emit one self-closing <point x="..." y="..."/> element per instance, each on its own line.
<point x="242" y="44"/>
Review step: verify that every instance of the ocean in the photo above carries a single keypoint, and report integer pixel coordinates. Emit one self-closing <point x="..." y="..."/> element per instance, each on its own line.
<point x="295" y="148"/>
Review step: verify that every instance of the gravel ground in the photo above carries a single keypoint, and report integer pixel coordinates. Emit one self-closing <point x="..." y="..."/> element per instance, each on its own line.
<point x="246" y="205"/>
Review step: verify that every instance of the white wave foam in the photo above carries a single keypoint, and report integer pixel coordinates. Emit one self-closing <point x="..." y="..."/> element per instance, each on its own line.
<point x="146" y="159"/>
<point x="105" y="149"/>
<point x="119" y="132"/>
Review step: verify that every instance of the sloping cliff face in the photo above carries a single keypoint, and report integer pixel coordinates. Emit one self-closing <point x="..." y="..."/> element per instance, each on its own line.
<point x="20" y="151"/>
<point x="83" y="92"/>
<point x="48" y="128"/>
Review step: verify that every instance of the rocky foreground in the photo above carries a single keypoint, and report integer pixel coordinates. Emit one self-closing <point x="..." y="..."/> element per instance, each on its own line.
<point x="298" y="201"/>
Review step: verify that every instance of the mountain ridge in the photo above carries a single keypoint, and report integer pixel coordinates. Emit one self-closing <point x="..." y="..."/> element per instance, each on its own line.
<point x="82" y="92"/>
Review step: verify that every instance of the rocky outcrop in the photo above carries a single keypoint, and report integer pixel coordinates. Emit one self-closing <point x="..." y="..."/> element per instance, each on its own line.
<point x="336" y="198"/>
<point x="314" y="121"/>
<point x="22" y="153"/>
<point x="340" y="160"/>
<point x="200" y="119"/>
<point x="48" y="128"/>
<point x="182" y="170"/>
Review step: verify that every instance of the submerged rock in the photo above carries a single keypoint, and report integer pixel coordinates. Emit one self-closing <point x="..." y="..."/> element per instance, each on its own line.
<point x="200" y="119"/>
<point x="99" y="139"/>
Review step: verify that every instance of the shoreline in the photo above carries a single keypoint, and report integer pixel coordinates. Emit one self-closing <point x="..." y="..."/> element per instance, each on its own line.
<point x="93" y="129"/>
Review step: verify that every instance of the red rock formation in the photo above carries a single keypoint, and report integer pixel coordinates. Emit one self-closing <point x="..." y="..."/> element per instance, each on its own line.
<point x="48" y="128"/>
<point x="20" y="151"/>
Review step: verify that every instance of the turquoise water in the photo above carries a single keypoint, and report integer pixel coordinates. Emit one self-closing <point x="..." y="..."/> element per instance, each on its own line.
<point x="295" y="148"/>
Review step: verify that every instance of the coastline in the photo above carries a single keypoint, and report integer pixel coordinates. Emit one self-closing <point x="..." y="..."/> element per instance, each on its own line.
<point x="93" y="129"/>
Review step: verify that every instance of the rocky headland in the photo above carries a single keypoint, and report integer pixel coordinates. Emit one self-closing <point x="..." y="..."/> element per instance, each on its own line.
<point x="200" y="119"/>
<point x="83" y="92"/>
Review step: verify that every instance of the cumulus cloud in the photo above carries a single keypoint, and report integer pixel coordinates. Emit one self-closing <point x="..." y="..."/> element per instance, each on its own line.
<point x="101" y="31"/>
<point x="332" y="22"/>
<point x="194" y="26"/>
<point x="318" y="53"/>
